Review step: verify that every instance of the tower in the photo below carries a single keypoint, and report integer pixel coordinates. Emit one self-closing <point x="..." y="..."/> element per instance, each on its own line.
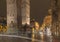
<point x="11" y="17"/>
<point x="11" y="13"/>
<point x="25" y="11"/>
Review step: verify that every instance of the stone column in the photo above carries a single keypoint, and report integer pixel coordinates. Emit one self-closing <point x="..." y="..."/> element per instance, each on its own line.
<point x="11" y="12"/>
<point x="11" y="15"/>
<point x="25" y="11"/>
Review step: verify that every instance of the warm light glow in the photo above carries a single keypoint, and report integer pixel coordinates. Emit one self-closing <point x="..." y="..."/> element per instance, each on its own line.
<point x="32" y="30"/>
<point x="37" y="25"/>
<point x="43" y="26"/>
<point x="33" y="35"/>
<point x="48" y="19"/>
<point x="3" y="28"/>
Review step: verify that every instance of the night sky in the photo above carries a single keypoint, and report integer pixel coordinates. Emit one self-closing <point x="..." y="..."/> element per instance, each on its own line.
<point x="2" y="8"/>
<point x="39" y="9"/>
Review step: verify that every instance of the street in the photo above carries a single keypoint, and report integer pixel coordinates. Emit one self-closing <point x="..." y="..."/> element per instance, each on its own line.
<point x="33" y="38"/>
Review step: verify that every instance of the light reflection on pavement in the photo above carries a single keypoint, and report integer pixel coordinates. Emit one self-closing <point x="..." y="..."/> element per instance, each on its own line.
<point x="33" y="38"/>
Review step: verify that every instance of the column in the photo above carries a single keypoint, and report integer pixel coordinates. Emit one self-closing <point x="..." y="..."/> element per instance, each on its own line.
<point x="25" y="11"/>
<point x="11" y="16"/>
<point x="11" y="12"/>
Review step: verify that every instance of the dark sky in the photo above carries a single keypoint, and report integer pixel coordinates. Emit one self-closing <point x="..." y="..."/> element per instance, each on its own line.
<point x="39" y="9"/>
<point x="2" y="8"/>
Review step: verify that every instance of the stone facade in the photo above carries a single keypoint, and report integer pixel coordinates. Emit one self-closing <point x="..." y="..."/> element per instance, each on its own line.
<point x="55" y="6"/>
<point x="11" y="12"/>
<point x="25" y="11"/>
<point x="11" y="17"/>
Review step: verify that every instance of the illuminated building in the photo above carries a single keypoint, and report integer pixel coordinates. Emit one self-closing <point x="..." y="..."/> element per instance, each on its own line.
<point x="25" y="11"/>
<point x="55" y="6"/>
<point x="11" y="12"/>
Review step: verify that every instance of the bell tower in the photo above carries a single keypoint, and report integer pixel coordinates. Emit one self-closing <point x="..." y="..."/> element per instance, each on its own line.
<point x="11" y="16"/>
<point x="11" y="13"/>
